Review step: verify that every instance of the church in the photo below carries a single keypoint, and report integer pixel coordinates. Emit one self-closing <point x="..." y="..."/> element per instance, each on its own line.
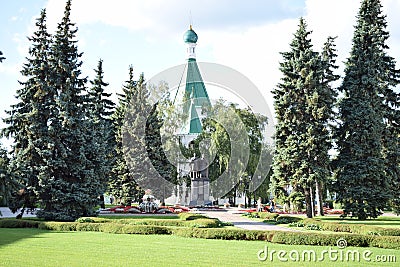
<point x="195" y="104"/>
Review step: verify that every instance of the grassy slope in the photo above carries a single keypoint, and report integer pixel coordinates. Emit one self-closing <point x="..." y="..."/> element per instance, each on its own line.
<point x="33" y="247"/>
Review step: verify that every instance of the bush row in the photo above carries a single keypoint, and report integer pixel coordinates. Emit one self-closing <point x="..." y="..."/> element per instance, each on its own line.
<point x="281" y="237"/>
<point x="200" y="222"/>
<point x="353" y="228"/>
<point x="113" y="228"/>
<point x="14" y="223"/>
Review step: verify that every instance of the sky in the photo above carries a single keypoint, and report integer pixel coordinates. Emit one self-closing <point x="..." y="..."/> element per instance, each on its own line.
<point x="247" y="36"/>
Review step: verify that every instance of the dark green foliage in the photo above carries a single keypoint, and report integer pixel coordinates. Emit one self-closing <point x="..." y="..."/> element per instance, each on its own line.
<point x="59" y="143"/>
<point x="68" y="184"/>
<point x="7" y="182"/>
<point x="27" y="120"/>
<point x="303" y="106"/>
<point x="123" y="185"/>
<point x="368" y="163"/>
<point x="100" y="108"/>
<point x="14" y="223"/>
<point x="287" y="219"/>
<point x="156" y="154"/>
<point x="186" y="216"/>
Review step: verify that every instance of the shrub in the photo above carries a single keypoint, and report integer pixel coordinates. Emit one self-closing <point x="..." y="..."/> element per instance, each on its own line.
<point x="18" y="223"/>
<point x="88" y="227"/>
<point x="186" y="216"/>
<point x="353" y="228"/>
<point x="287" y="219"/>
<point x="391" y="242"/>
<point x="312" y="226"/>
<point x="85" y="220"/>
<point x="58" y="226"/>
<point x="221" y="233"/>
<point x="297" y="224"/>
<point x="200" y="222"/>
<point x="144" y="230"/>
<point x="268" y="215"/>
<point x="299" y="238"/>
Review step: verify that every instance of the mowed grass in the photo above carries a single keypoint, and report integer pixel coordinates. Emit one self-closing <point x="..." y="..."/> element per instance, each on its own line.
<point x="34" y="247"/>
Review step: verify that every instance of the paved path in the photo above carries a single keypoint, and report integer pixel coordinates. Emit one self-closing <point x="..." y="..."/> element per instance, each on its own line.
<point x="6" y="213"/>
<point x="234" y="216"/>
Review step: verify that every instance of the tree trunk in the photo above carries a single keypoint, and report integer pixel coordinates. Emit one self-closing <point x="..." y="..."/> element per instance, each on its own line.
<point x="312" y="200"/>
<point x="234" y="196"/>
<point x="308" y="202"/>
<point x="318" y="196"/>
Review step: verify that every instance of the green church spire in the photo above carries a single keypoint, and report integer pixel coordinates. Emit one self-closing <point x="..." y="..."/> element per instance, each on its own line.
<point x="196" y="95"/>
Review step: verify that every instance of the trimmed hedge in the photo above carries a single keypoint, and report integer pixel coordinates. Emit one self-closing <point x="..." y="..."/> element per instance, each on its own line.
<point x="353" y="228"/>
<point x="281" y="237"/>
<point x="200" y="222"/>
<point x="134" y="229"/>
<point x="301" y="238"/>
<point x="15" y="223"/>
<point x="223" y="233"/>
<point x="392" y="242"/>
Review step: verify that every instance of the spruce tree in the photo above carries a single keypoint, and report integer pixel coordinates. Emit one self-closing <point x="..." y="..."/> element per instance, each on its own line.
<point x="122" y="184"/>
<point x="69" y="187"/>
<point x="27" y="120"/>
<point x="303" y="106"/>
<point x="363" y="173"/>
<point x="100" y="108"/>
<point x="321" y="105"/>
<point x="157" y="156"/>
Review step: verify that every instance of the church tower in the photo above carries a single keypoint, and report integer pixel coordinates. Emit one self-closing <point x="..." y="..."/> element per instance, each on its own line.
<point x="195" y="99"/>
<point x="196" y="103"/>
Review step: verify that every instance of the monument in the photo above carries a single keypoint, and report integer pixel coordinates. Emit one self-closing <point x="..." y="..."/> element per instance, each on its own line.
<point x="199" y="182"/>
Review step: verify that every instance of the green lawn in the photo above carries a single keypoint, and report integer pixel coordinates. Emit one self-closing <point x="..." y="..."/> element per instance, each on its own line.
<point x="34" y="247"/>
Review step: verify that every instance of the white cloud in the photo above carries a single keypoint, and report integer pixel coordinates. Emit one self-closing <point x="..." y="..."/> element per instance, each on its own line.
<point x="254" y="52"/>
<point x="253" y="49"/>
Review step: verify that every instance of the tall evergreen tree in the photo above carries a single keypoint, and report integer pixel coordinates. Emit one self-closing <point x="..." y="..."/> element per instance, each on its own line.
<point x="27" y="121"/>
<point x="100" y="108"/>
<point x="363" y="178"/>
<point x="122" y="185"/>
<point x="303" y="106"/>
<point x="69" y="187"/>
<point x="321" y="107"/>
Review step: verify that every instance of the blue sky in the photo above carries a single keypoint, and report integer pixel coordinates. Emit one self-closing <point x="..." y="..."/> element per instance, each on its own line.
<point x="244" y="35"/>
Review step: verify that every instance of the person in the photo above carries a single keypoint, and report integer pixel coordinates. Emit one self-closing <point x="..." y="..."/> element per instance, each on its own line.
<point x="111" y="199"/>
<point x="272" y="206"/>
<point x="259" y="205"/>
